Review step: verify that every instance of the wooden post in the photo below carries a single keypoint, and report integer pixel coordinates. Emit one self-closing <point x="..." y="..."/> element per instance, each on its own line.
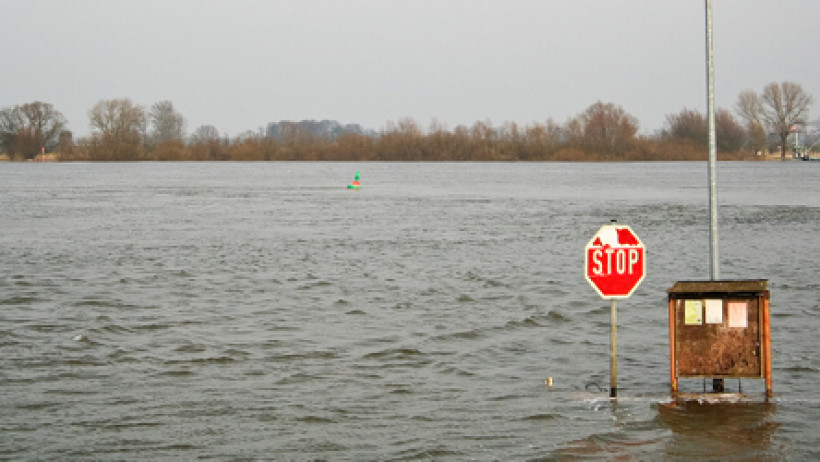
<point x="613" y="350"/>
<point x="673" y="379"/>
<point x="767" y="344"/>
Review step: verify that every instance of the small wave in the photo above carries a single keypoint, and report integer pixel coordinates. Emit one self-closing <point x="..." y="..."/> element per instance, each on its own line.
<point x="212" y="360"/>
<point x="394" y="353"/>
<point x="493" y="283"/>
<point x="86" y="360"/>
<point x="526" y="322"/>
<point x="46" y="328"/>
<point x="800" y="369"/>
<point x="39" y="406"/>
<point x="125" y="425"/>
<point x="602" y="309"/>
<point x="461" y="335"/>
<point x="470" y="276"/>
<point x="176" y="373"/>
<point x="554" y="316"/>
<point x="400" y="391"/>
<point x="306" y="355"/>
<point x="313" y="285"/>
<point x="17" y="300"/>
<point x="112" y="329"/>
<point x="90" y="302"/>
<point x="234" y="353"/>
<point x="313" y="419"/>
<point x="438" y="453"/>
<point x="355" y="312"/>
<point x="298" y="378"/>
<point x="540" y="417"/>
<point x="182" y="273"/>
<point x="177" y="447"/>
<point x="190" y="348"/>
<point x="579" y="304"/>
<point x="152" y="327"/>
<point x="504" y="397"/>
<point x="122" y="356"/>
<point x="20" y="281"/>
<point x="456" y="371"/>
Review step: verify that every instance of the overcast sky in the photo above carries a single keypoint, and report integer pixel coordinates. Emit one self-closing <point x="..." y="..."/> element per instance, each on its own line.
<point x="239" y="64"/>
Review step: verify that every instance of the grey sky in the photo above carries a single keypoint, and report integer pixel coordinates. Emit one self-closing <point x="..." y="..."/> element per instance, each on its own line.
<point x="240" y="64"/>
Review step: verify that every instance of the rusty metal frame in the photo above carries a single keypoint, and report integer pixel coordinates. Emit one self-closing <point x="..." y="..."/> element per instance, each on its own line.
<point x="673" y="380"/>
<point x="767" y="343"/>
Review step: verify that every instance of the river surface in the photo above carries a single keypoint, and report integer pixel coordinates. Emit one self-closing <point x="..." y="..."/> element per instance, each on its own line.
<point x="262" y="311"/>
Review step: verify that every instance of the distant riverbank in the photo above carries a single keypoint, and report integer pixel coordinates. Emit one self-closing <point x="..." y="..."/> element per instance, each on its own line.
<point x="56" y="157"/>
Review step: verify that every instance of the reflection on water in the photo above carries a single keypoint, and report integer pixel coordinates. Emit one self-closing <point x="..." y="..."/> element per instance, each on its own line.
<point x="682" y="429"/>
<point x="627" y="437"/>
<point x="719" y="430"/>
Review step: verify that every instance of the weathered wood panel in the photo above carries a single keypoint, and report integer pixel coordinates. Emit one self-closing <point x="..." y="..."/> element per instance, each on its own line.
<point x="717" y="349"/>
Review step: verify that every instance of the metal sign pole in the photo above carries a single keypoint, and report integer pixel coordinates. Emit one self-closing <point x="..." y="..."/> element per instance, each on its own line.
<point x="710" y="100"/>
<point x="613" y="350"/>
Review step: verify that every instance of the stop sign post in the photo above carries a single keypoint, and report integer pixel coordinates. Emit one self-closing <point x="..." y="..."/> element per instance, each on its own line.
<point x="614" y="265"/>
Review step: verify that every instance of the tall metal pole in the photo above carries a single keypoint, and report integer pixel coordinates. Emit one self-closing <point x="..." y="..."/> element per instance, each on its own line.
<point x="710" y="98"/>
<point x="613" y="350"/>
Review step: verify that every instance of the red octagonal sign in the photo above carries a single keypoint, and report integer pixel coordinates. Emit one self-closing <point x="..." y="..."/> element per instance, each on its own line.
<point x="615" y="261"/>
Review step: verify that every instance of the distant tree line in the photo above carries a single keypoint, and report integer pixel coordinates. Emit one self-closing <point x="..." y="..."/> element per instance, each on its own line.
<point x="124" y="131"/>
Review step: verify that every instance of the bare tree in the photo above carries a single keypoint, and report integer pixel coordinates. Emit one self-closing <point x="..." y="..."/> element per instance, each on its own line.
<point x="541" y="141"/>
<point x="119" y="129"/>
<point x="27" y="129"/>
<point x="166" y="123"/>
<point x="779" y="107"/>
<point x="608" y="129"/>
<point x="205" y="144"/>
<point x="748" y="106"/>
<point x="731" y="136"/>
<point x="688" y="124"/>
<point x="10" y="123"/>
<point x="783" y="106"/>
<point x="691" y="125"/>
<point x="206" y="132"/>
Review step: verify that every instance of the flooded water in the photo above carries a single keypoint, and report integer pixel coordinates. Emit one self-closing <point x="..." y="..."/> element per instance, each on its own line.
<point x="258" y="311"/>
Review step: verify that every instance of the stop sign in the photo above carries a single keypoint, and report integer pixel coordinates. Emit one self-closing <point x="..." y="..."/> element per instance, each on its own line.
<point x="615" y="261"/>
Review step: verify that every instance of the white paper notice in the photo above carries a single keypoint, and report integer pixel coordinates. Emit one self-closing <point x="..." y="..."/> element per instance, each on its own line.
<point x="714" y="311"/>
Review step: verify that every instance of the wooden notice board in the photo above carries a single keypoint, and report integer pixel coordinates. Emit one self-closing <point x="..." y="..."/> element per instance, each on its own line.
<point x="719" y="329"/>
